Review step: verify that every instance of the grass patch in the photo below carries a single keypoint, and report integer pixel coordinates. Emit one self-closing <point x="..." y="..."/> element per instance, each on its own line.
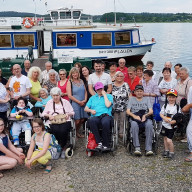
<point x="71" y="186"/>
<point x="187" y="164"/>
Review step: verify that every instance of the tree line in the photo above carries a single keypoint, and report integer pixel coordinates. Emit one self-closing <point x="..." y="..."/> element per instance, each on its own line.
<point x="121" y="17"/>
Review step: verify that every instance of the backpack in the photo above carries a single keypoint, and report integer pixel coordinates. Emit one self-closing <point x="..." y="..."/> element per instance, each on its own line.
<point x="56" y="148"/>
<point x="156" y="110"/>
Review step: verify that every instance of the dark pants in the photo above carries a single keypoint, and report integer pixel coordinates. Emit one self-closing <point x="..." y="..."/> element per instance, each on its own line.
<point x="61" y="132"/>
<point x="3" y="115"/>
<point x="105" y="123"/>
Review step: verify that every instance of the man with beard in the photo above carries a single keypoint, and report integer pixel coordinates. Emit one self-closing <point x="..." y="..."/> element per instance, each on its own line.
<point x="99" y="76"/>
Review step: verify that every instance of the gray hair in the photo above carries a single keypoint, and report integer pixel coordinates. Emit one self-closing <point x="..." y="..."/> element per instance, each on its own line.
<point x="63" y="71"/>
<point x="119" y="73"/>
<point x="55" y="91"/>
<point x="52" y="71"/>
<point x="48" y="62"/>
<point x="34" y="69"/>
<point x="184" y="69"/>
<point x="45" y="90"/>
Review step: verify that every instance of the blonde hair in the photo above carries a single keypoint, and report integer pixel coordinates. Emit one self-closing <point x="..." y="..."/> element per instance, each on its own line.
<point x="73" y="70"/>
<point x="132" y="69"/>
<point x="34" y="69"/>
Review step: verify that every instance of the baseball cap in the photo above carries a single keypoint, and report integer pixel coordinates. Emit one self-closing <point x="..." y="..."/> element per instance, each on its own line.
<point x="172" y="92"/>
<point x="137" y="87"/>
<point x="99" y="85"/>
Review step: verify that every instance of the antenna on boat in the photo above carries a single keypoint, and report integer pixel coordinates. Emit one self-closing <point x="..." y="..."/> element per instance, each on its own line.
<point x="115" y="14"/>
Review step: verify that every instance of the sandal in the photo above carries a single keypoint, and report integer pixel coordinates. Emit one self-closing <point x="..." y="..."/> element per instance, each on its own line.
<point x="1" y="175"/>
<point x="46" y="171"/>
<point x="189" y="158"/>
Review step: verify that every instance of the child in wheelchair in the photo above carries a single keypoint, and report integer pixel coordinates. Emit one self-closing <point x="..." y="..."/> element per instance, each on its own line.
<point x="168" y="110"/>
<point x="21" y="123"/>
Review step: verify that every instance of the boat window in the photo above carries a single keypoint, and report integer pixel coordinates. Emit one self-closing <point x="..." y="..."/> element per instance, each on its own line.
<point x="122" y="38"/>
<point x="24" y="40"/>
<point x="66" y="39"/>
<point x="135" y="36"/>
<point x="65" y="15"/>
<point x="101" y="39"/>
<point x="76" y="14"/>
<point x="54" y="15"/>
<point x="5" y="40"/>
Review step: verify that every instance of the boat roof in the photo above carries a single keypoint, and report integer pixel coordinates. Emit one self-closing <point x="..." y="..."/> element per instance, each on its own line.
<point x="64" y="9"/>
<point x="69" y="28"/>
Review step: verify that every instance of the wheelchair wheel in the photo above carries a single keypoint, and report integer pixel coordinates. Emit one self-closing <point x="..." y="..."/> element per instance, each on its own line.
<point x="130" y="148"/>
<point x="89" y="153"/>
<point x="73" y="135"/>
<point x="125" y="133"/>
<point x="155" y="143"/>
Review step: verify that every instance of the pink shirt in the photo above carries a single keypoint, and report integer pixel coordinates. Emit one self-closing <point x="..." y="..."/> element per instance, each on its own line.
<point x="58" y="108"/>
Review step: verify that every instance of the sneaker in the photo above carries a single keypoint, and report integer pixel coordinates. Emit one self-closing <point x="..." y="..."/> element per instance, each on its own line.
<point x="149" y="153"/>
<point x="99" y="146"/>
<point x="171" y="155"/>
<point x="137" y="152"/>
<point x="63" y="154"/>
<point x="165" y="154"/>
<point x="184" y="140"/>
<point x="105" y="148"/>
<point x="16" y="143"/>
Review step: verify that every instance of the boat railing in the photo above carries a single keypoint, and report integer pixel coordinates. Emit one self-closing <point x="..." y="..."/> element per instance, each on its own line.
<point x="47" y="21"/>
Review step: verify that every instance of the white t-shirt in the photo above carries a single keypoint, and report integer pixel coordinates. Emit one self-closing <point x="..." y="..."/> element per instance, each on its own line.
<point x="104" y="78"/>
<point x="19" y="85"/>
<point x="169" y="112"/>
<point x="173" y="74"/>
<point x="167" y="85"/>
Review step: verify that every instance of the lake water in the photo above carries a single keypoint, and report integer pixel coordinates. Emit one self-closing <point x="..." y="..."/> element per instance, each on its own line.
<point x="173" y="43"/>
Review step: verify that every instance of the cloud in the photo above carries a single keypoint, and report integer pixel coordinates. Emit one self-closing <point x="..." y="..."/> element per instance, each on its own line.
<point x="98" y="7"/>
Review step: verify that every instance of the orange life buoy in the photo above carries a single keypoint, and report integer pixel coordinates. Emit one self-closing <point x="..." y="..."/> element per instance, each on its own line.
<point x="27" y="22"/>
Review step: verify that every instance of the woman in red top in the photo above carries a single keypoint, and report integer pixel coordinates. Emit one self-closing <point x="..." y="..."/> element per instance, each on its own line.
<point x="133" y="79"/>
<point x="62" y="84"/>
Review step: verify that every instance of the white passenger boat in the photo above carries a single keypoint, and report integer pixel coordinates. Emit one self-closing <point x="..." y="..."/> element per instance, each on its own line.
<point x="67" y="34"/>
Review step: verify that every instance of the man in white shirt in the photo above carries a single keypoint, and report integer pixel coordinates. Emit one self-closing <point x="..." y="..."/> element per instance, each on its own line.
<point x="20" y="85"/>
<point x="99" y="76"/>
<point x="45" y="73"/>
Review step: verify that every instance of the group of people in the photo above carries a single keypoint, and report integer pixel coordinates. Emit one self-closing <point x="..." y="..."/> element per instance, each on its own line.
<point x="98" y="96"/>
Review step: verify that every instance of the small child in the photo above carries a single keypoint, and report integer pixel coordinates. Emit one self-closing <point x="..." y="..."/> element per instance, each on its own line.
<point x="168" y="110"/>
<point x="23" y="124"/>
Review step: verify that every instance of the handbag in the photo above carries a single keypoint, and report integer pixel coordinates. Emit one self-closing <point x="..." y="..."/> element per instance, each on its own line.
<point x="156" y="110"/>
<point x="91" y="141"/>
<point x="59" y="118"/>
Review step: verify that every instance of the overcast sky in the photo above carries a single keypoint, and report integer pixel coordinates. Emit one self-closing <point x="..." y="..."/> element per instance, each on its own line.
<point x="98" y="7"/>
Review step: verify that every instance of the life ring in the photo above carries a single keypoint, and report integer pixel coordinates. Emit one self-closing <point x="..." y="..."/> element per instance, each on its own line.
<point x="27" y="22"/>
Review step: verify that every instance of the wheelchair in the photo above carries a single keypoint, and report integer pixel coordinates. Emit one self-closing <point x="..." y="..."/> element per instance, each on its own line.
<point x="22" y="135"/>
<point x="113" y="138"/>
<point x="71" y="141"/>
<point x="128" y="138"/>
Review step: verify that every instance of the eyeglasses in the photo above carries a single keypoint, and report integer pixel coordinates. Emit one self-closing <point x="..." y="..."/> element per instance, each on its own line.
<point x="119" y="76"/>
<point x="1" y="125"/>
<point x="36" y="127"/>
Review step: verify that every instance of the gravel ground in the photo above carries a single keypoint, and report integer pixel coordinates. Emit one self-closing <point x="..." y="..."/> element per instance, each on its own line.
<point x="123" y="172"/>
